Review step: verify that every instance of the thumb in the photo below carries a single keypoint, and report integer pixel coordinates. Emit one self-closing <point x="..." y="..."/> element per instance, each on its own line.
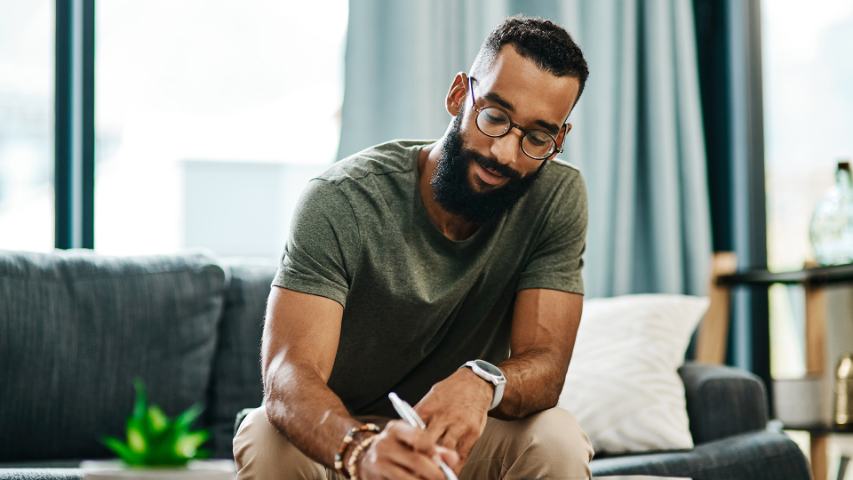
<point x="450" y="457"/>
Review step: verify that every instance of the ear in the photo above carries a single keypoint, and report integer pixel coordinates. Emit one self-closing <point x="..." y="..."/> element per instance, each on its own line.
<point x="455" y="100"/>
<point x="561" y="136"/>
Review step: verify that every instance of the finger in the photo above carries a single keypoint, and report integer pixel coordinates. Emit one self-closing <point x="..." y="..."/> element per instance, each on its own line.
<point x="393" y="471"/>
<point x="450" y="457"/>
<point x="452" y="436"/>
<point x="466" y="444"/>
<point x="422" y="412"/>
<point x="437" y="430"/>
<point x="417" y="463"/>
<point x="413" y="437"/>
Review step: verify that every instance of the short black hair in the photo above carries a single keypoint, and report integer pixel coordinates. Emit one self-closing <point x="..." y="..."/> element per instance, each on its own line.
<point x="540" y="40"/>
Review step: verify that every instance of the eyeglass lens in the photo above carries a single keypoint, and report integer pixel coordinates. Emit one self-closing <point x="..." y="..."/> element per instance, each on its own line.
<point x="494" y="122"/>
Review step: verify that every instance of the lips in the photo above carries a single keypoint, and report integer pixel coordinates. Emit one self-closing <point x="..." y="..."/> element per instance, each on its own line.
<point x="488" y="175"/>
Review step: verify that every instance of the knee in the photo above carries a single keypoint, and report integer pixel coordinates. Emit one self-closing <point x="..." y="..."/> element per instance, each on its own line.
<point x="261" y="451"/>
<point x="555" y="437"/>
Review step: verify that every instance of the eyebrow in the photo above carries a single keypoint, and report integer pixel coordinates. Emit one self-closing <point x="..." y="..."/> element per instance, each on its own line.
<point x="550" y="127"/>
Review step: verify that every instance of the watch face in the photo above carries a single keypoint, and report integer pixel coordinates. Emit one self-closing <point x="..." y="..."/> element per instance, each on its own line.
<point x="489" y="368"/>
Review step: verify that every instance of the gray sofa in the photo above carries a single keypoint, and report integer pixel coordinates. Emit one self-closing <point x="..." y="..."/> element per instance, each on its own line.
<point x="76" y="328"/>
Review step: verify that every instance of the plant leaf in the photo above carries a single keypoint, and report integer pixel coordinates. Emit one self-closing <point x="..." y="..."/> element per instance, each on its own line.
<point x="136" y="439"/>
<point x="157" y="421"/>
<point x="187" y="417"/>
<point x="140" y="405"/>
<point x="164" y="455"/>
<point x="155" y="440"/>
<point x="202" y="453"/>
<point x="123" y="451"/>
<point x="187" y="445"/>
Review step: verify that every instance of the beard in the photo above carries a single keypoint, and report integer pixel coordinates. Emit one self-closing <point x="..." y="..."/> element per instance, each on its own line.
<point x="452" y="190"/>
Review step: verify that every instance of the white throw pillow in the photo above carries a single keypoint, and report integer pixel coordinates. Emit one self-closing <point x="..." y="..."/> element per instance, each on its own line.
<point x="623" y="385"/>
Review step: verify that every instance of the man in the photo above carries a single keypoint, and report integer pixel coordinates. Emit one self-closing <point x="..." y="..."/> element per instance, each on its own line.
<point x="411" y="259"/>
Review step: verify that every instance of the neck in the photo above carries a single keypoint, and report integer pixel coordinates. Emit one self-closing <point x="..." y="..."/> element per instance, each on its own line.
<point x="452" y="226"/>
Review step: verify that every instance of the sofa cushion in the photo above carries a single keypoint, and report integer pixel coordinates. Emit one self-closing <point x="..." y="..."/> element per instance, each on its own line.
<point x="622" y="383"/>
<point x="76" y="328"/>
<point x="236" y="380"/>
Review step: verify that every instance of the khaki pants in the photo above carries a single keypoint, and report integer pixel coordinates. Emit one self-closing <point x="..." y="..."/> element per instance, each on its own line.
<point x="547" y="445"/>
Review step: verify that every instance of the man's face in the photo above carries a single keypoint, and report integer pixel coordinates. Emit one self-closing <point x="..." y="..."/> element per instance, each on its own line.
<point x="480" y="177"/>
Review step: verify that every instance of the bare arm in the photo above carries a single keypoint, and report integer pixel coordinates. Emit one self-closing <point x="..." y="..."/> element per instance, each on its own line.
<point x="300" y="340"/>
<point x="544" y="326"/>
<point x="301" y="336"/>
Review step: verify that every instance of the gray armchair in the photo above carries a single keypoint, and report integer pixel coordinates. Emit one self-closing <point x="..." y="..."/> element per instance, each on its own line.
<point x="727" y="409"/>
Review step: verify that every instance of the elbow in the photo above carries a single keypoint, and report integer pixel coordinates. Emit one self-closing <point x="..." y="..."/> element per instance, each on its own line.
<point x="548" y="400"/>
<point x="524" y="407"/>
<point x="553" y="396"/>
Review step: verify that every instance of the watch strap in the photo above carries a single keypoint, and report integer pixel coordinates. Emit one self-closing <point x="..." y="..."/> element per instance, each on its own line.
<point x="498" y="381"/>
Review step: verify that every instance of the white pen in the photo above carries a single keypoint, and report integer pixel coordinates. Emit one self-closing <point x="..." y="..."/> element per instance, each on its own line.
<point x="410" y="416"/>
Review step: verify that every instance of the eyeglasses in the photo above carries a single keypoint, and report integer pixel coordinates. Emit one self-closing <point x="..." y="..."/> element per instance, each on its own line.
<point x="495" y="122"/>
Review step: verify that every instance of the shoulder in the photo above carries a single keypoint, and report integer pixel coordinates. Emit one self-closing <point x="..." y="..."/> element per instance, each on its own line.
<point x="388" y="158"/>
<point x="560" y="182"/>
<point x="561" y="171"/>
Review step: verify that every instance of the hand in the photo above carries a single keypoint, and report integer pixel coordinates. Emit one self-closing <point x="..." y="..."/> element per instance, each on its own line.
<point x="404" y="452"/>
<point x="455" y="411"/>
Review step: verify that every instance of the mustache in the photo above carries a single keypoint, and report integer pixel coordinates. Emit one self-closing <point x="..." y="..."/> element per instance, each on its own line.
<point x="492" y="164"/>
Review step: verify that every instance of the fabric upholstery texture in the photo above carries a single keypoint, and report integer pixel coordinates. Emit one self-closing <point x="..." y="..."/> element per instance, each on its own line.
<point x="763" y="455"/>
<point x="236" y="377"/>
<point x="77" y="328"/>
<point x="722" y="401"/>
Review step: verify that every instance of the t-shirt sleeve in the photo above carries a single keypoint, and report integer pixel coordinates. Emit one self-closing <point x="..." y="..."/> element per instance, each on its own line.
<point x="322" y="249"/>
<point x="556" y="260"/>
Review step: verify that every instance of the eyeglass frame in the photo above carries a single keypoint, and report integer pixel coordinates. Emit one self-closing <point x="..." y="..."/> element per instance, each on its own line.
<point x="558" y="148"/>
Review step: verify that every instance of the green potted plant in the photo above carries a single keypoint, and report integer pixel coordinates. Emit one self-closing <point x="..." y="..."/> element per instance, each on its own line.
<point x="158" y="447"/>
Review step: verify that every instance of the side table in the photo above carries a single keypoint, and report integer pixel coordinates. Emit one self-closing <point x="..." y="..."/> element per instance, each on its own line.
<point x="713" y="333"/>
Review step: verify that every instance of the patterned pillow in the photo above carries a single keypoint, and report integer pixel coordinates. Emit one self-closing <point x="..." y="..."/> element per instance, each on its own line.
<point x="623" y="385"/>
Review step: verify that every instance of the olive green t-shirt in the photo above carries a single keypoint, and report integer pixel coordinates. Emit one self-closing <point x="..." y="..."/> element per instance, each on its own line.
<point x="417" y="305"/>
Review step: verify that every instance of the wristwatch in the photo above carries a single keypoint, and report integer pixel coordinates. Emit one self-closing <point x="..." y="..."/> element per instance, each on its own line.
<point x="491" y="374"/>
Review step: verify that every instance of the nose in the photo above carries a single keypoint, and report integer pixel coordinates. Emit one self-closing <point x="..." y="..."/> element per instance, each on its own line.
<point x="507" y="148"/>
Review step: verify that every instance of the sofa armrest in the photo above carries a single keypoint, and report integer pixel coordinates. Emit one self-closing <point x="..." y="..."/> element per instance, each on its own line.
<point x="750" y="456"/>
<point x="722" y="401"/>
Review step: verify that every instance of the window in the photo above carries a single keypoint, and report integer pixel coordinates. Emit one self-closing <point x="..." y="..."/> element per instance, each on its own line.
<point x="211" y="115"/>
<point x="26" y="125"/>
<point x="808" y="124"/>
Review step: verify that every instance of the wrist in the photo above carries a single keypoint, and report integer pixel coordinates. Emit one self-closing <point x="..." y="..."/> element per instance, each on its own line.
<point x="354" y="437"/>
<point x="486" y="390"/>
<point x="490" y="374"/>
<point x="357" y="453"/>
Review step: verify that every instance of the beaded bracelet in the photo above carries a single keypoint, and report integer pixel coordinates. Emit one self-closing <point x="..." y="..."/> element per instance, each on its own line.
<point x="339" y="455"/>
<point x="352" y="463"/>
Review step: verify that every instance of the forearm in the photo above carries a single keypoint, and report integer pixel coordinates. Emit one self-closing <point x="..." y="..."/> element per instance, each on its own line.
<point x="534" y="380"/>
<point x="301" y="405"/>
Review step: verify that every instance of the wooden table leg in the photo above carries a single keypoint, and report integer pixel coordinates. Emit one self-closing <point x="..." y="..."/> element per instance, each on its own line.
<point x="713" y="332"/>
<point x="817" y="445"/>
<point x="815" y="330"/>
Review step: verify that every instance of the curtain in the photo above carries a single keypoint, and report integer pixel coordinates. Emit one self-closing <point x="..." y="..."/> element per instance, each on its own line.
<point x="637" y="133"/>
<point x="729" y="52"/>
